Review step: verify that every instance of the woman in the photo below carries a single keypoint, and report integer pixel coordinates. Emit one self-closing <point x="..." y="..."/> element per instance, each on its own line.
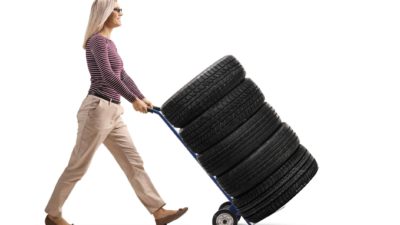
<point x="99" y="119"/>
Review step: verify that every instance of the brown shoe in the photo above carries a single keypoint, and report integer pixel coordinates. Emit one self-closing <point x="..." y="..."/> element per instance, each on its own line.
<point x="48" y="221"/>
<point x="170" y="218"/>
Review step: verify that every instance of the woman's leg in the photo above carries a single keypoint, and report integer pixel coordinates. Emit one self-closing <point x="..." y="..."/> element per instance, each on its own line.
<point x="122" y="148"/>
<point x="89" y="138"/>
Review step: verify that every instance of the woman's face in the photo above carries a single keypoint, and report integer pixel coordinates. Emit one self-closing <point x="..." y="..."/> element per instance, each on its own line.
<point x="114" y="20"/>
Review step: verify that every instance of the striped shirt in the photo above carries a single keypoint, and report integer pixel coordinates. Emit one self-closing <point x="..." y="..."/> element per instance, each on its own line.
<point x="108" y="77"/>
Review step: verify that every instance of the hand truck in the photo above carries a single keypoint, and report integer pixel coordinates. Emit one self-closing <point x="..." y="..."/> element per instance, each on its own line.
<point x="228" y="213"/>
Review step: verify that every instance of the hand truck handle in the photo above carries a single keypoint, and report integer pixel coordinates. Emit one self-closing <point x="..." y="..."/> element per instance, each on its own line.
<point x="154" y="109"/>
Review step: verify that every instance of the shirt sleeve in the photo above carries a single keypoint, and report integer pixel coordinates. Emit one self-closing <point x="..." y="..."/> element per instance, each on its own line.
<point x="131" y="84"/>
<point x="98" y="47"/>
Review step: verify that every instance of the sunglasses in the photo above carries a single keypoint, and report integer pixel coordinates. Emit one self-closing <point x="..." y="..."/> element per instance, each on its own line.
<point x="118" y="10"/>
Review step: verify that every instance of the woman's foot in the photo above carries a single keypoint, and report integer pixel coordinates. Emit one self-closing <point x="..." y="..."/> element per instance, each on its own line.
<point x="163" y="213"/>
<point x="163" y="216"/>
<point x="50" y="220"/>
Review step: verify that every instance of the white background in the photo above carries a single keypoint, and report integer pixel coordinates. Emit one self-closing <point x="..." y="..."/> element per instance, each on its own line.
<point x="329" y="68"/>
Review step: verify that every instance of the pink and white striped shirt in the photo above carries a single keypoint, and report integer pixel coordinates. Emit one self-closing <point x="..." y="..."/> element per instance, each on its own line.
<point x="108" y="77"/>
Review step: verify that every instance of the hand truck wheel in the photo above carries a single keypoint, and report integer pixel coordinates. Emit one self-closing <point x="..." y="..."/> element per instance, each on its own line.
<point x="224" y="217"/>
<point x="225" y="205"/>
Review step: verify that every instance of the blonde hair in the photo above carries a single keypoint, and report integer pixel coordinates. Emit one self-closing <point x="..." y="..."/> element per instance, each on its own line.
<point x="101" y="10"/>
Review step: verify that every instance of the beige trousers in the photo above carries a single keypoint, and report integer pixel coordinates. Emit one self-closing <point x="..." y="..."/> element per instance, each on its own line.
<point x="99" y="121"/>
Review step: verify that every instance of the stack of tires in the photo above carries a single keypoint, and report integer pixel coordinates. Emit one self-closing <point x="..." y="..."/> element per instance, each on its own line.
<point x="239" y="139"/>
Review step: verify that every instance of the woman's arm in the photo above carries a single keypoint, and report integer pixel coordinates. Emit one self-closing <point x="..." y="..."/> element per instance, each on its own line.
<point x="131" y="84"/>
<point x="98" y="47"/>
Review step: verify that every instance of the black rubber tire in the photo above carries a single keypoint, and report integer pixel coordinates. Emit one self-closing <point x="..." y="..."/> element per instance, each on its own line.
<point x="241" y="143"/>
<point x="284" y="195"/>
<point x="224" y="217"/>
<point x="223" y="117"/>
<point x="269" y="185"/>
<point x="203" y="91"/>
<point x="262" y="163"/>
<point x="266" y="198"/>
<point x="265" y="192"/>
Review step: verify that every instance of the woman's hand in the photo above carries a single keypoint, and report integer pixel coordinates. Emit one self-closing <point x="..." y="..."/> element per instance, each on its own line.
<point x="140" y="105"/>
<point x="148" y="103"/>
